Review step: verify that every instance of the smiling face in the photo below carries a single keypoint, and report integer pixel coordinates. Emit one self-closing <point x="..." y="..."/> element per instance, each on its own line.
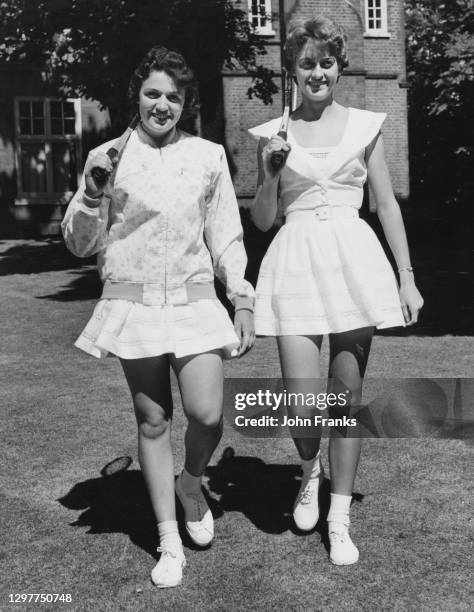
<point x="160" y="103"/>
<point x="316" y="71"/>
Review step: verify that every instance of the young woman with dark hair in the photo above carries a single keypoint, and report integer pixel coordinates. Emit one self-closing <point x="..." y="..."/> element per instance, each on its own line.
<point x="163" y="221"/>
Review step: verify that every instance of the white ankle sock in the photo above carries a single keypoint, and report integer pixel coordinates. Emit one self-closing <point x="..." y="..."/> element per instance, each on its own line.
<point x="169" y="535"/>
<point x="339" y="510"/>
<point x="191" y="484"/>
<point x="311" y="467"/>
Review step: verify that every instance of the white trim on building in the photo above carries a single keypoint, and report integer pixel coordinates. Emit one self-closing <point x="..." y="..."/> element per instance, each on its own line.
<point x="260" y="16"/>
<point x="376" y="18"/>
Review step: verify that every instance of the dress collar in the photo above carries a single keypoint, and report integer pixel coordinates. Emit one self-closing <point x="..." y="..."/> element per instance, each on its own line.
<point x="292" y="140"/>
<point x="301" y="161"/>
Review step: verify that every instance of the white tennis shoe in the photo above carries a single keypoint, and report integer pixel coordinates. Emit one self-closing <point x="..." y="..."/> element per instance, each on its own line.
<point x="168" y="572"/>
<point x="306" y="508"/>
<point x="197" y="516"/>
<point x="343" y="549"/>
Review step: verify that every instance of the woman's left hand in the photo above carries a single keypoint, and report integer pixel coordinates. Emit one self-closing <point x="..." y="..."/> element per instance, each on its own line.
<point x="245" y="330"/>
<point x="411" y="301"/>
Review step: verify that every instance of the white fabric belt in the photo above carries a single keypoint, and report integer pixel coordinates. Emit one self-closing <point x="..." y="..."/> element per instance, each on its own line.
<point x="150" y="294"/>
<point x="322" y="213"/>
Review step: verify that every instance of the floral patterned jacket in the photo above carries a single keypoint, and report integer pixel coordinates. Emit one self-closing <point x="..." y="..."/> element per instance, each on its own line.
<point x="170" y="218"/>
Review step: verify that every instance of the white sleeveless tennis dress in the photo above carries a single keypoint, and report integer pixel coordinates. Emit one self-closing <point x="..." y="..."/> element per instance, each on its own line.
<point x="325" y="271"/>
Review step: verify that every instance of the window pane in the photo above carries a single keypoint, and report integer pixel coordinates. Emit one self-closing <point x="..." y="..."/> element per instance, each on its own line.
<point x="64" y="167"/>
<point x="38" y="126"/>
<point x="33" y="167"/>
<point x="260" y="13"/>
<point x="69" y="126"/>
<point x="25" y="109"/>
<point x="56" y="109"/>
<point x="376" y="15"/>
<point x="38" y="109"/>
<point x="25" y="126"/>
<point x="56" y="125"/>
<point x="68" y="109"/>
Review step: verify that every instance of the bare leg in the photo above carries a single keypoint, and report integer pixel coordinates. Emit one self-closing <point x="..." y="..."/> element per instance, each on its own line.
<point x="200" y="380"/>
<point x="349" y="352"/>
<point x="299" y="359"/>
<point x="149" y="384"/>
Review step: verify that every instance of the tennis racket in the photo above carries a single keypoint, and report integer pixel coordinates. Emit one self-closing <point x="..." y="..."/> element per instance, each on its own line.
<point x="120" y="464"/>
<point x="290" y="96"/>
<point x="99" y="174"/>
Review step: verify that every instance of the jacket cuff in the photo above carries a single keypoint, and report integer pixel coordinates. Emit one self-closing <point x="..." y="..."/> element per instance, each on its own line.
<point x="243" y="302"/>
<point x="91" y="203"/>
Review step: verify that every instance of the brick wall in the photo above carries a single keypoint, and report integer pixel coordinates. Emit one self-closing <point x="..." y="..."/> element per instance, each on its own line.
<point x="240" y="115"/>
<point x="386" y="96"/>
<point x="385" y="57"/>
<point x="388" y="54"/>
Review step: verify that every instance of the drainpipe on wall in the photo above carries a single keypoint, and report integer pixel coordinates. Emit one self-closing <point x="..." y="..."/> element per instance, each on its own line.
<point x="281" y="15"/>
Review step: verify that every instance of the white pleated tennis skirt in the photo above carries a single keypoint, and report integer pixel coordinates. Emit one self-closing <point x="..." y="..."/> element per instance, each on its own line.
<point x="131" y="330"/>
<point x="325" y="276"/>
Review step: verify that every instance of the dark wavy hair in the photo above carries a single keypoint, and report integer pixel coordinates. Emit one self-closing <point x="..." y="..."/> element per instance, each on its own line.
<point x="175" y="66"/>
<point x="320" y="29"/>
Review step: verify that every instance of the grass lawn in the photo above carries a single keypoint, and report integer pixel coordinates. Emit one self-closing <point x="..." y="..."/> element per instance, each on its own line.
<point x="67" y="529"/>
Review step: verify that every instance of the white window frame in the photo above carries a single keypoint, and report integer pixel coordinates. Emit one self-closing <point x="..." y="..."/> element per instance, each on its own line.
<point x="267" y="29"/>
<point x="49" y="196"/>
<point x="381" y="32"/>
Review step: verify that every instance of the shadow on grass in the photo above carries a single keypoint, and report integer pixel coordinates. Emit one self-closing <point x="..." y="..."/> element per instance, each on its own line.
<point x="51" y="255"/>
<point x="36" y="256"/>
<point x="264" y="493"/>
<point x="85" y="286"/>
<point x="115" y="504"/>
<point x="119" y="503"/>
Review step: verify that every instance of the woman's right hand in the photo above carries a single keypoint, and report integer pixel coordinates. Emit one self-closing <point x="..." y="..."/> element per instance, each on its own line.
<point x="95" y="183"/>
<point x="276" y="143"/>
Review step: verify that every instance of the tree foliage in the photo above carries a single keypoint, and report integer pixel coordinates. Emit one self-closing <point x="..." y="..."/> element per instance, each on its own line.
<point x="90" y="47"/>
<point x="440" y="62"/>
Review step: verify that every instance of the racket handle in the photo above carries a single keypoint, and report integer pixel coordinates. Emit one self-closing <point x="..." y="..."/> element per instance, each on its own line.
<point x="99" y="175"/>
<point x="278" y="158"/>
